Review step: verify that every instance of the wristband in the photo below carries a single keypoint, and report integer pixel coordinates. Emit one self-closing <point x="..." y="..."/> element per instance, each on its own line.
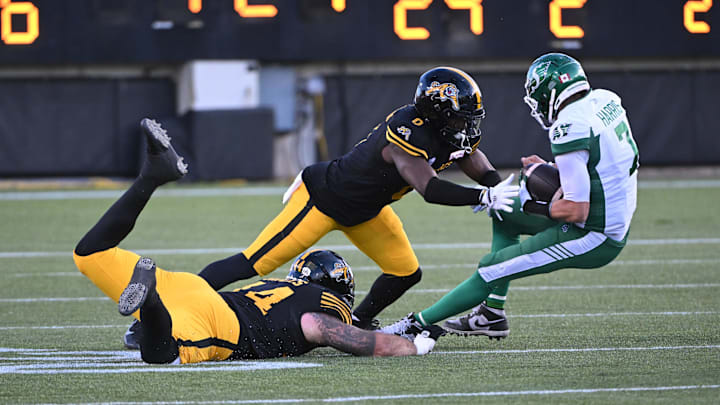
<point x="490" y="179"/>
<point x="537" y="208"/>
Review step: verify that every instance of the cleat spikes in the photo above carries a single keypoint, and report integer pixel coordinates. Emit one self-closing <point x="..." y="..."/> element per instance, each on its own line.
<point x="162" y="163"/>
<point x="142" y="283"/>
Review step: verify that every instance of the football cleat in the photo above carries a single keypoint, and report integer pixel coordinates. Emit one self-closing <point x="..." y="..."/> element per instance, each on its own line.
<point x="481" y="321"/>
<point x="131" y="339"/>
<point x="406" y="327"/>
<point x="162" y="163"/>
<point x="367" y="324"/>
<point x="141" y="284"/>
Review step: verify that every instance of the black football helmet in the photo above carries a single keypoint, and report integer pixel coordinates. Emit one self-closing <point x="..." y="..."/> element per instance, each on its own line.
<point x="328" y="269"/>
<point x="452" y="102"/>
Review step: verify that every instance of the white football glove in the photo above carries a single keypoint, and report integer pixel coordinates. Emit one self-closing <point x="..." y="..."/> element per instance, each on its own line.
<point x="499" y="198"/>
<point x="425" y="340"/>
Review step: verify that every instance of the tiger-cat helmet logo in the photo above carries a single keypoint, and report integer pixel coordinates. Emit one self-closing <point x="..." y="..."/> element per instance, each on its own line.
<point x="339" y="272"/>
<point x="446" y="91"/>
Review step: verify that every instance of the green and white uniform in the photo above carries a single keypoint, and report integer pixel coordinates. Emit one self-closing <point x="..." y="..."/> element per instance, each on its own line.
<point x="598" y="124"/>
<point x="596" y="127"/>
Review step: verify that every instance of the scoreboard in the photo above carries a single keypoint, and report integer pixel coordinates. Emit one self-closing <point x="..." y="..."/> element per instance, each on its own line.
<point x="57" y="32"/>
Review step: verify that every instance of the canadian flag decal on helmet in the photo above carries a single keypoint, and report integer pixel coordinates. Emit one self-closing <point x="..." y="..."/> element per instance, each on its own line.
<point x="564" y="78"/>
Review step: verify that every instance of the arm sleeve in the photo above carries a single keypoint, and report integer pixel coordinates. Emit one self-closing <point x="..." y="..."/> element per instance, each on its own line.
<point x="574" y="177"/>
<point x="444" y="192"/>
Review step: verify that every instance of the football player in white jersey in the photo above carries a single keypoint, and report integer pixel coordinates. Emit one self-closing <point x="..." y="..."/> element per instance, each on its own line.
<point x="597" y="159"/>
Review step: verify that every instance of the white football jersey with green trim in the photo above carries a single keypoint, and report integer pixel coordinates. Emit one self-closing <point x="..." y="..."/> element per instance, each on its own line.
<point x="598" y="123"/>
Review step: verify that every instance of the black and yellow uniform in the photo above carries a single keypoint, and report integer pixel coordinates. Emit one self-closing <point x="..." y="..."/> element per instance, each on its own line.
<point x="269" y="312"/>
<point x="355" y="187"/>
<point x="258" y="321"/>
<point x="352" y="194"/>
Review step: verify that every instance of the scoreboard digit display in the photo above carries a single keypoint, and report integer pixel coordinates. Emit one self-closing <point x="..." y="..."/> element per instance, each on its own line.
<point x="52" y="32"/>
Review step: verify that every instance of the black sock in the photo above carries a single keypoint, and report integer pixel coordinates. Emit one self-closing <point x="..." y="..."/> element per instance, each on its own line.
<point x="223" y="272"/>
<point x="385" y="290"/>
<point x="118" y="220"/>
<point x="157" y="345"/>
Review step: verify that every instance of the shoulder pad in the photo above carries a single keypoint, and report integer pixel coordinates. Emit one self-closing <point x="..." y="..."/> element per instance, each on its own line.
<point x="406" y="129"/>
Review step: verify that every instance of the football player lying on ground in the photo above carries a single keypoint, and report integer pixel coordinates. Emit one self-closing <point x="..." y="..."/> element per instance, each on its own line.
<point x="184" y="320"/>
<point x="597" y="160"/>
<point x="352" y="193"/>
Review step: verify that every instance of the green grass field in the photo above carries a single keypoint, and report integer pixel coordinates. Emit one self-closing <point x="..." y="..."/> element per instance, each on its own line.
<point x="645" y="329"/>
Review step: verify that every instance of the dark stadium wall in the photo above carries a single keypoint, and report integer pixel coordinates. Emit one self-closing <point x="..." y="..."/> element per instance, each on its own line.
<point x="69" y="127"/>
<point x="89" y="127"/>
<point x="673" y="114"/>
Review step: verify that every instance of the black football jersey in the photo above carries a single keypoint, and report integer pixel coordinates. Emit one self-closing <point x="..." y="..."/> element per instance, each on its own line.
<point x="355" y="187"/>
<point x="269" y="313"/>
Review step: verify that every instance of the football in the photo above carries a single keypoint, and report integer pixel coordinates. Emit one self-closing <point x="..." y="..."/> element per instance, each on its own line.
<point x="542" y="181"/>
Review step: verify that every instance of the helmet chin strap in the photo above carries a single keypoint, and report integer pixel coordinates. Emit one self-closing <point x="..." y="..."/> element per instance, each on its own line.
<point x="551" y="106"/>
<point x="464" y="141"/>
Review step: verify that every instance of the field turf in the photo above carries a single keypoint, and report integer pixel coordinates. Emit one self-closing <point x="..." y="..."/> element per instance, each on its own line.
<point x="645" y="329"/>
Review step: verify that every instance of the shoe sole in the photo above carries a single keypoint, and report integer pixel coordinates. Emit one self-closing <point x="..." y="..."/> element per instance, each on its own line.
<point x="137" y="290"/>
<point x="159" y="138"/>
<point x="492" y="334"/>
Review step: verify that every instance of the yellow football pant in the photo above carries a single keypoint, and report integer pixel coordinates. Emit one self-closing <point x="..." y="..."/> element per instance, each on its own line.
<point x="300" y="225"/>
<point x="202" y="323"/>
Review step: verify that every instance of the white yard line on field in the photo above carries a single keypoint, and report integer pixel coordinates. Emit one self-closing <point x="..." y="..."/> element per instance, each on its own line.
<point x="563" y="392"/>
<point x="416" y="246"/>
<point x="470" y="267"/>
<point x="580" y="350"/>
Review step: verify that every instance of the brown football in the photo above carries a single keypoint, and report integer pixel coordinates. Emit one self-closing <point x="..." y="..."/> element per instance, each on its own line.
<point x="542" y="182"/>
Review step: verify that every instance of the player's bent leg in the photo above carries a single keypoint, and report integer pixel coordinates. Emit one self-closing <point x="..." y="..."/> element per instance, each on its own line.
<point x="161" y="165"/>
<point x="203" y="325"/>
<point x="110" y="270"/>
<point x="297" y="228"/>
<point x="561" y="246"/>
<point x="198" y="313"/>
<point x="489" y="318"/>
<point x="399" y="264"/>
<point x="157" y="345"/>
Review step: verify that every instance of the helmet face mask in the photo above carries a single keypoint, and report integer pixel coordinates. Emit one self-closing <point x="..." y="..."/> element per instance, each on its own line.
<point x="552" y="79"/>
<point x="327" y="269"/>
<point x="451" y="101"/>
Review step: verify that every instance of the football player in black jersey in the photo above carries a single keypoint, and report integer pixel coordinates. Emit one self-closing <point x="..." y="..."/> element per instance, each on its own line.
<point x="352" y="193"/>
<point x="184" y="320"/>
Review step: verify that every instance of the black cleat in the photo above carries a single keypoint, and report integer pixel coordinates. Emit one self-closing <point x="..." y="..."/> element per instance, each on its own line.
<point x="141" y="284"/>
<point x="481" y="321"/>
<point x="367" y="324"/>
<point x="162" y="163"/>
<point x="132" y="336"/>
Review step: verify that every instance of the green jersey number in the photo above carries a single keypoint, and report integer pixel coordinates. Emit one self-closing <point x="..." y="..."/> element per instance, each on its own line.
<point x="623" y="133"/>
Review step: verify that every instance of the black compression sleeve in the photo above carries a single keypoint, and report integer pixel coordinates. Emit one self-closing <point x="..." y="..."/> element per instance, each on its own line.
<point x="444" y="192"/>
<point x="490" y="179"/>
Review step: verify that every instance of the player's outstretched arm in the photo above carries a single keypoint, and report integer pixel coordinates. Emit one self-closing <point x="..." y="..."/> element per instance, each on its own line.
<point x="421" y="176"/>
<point x="478" y="167"/>
<point x="325" y="330"/>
